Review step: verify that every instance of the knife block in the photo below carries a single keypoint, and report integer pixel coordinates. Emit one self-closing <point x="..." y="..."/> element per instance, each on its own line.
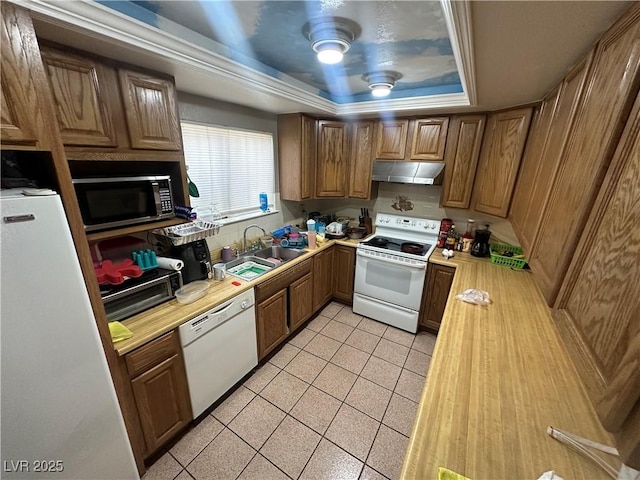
<point x="367" y="224"/>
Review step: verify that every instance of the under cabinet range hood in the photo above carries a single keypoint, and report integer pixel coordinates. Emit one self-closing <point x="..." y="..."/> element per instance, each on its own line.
<point x="423" y="173"/>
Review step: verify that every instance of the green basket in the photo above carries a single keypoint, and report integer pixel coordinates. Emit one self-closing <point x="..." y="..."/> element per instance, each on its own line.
<point x="516" y="263"/>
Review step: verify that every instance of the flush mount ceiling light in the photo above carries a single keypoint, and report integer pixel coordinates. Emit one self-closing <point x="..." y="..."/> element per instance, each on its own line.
<point x="331" y="37"/>
<point x="381" y="82"/>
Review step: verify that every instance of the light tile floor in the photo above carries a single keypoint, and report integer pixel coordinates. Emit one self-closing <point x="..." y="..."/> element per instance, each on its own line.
<point x="336" y="402"/>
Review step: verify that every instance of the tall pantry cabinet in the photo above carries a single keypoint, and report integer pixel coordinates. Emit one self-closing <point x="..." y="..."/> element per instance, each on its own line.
<point x="610" y="89"/>
<point x="598" y="309"/>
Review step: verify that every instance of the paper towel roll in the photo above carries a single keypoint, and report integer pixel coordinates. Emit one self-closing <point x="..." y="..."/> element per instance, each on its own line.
<point x="170" y="263"/>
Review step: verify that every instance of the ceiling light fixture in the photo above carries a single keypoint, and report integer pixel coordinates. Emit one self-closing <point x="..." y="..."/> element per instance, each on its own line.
<point x="331" y="37"/>
<point x="381" y="82"/>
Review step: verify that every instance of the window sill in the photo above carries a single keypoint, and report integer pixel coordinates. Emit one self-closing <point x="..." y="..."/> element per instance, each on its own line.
<point x="247" y="216"/>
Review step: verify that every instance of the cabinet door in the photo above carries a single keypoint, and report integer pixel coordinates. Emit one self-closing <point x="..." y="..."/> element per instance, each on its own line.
<point x="79" y="88"/>
<point x="434" y="300"/>
<point x="429" y="138"/>
<point x="271" y="318"/>
<point x="600" y="298"/>
<point x="538" y="171"/>
<point x="609" y="91"/>
<point x="531" y="160"/>
<point x="322" y="278"/>
<point x="502" y="148"/>
<point x="332" y="161"/>
<point x="461" y="159"/>
<point x="162" y="397"/>
<point x="361" y="162"/>
<point x="344" y="264"/>
<point x="151" y="110"/>
<point x="300" y="301"/>
<point x="296" y="156"/>
<point x="391" y="139"/>
<point x="21" y="65"/>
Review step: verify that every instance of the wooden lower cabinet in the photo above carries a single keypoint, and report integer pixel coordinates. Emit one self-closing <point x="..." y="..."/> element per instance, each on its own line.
<point x="300" y="301"/>
<point x="434" y="298"/>
<point x="322" y="278"/>
<point x="271" y="320"/>
<point x="160" y="389"/>
<point x="344" y="264"/>
<point x="283" y="303"/>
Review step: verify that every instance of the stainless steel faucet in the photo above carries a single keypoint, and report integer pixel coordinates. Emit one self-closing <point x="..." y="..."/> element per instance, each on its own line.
<point x="244" y="236"/>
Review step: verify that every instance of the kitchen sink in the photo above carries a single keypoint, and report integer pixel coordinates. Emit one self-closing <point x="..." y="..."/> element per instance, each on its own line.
<point x="278" y="254"/>
<point x="249" y="267"/>
<point x="256" y="263"/>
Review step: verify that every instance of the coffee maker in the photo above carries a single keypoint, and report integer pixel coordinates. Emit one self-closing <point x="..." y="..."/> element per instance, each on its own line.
<point x="480" y="246"/>
<point x="196" y="259"/>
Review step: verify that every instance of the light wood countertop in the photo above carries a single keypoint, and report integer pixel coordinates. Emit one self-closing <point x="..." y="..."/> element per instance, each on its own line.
<point x="499" y="376"/>
<point x="156" y="321"/>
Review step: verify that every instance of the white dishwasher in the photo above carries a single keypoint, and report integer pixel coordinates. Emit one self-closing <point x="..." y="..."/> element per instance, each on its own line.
<point x="219" y="348"/>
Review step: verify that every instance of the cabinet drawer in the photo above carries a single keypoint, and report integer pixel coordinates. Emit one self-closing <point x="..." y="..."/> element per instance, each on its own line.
<point x="270" y="287"/>
<point x="152" y="353"/>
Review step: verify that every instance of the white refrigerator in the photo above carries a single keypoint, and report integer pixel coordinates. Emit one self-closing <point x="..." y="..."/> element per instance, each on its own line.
<point x="59" y="412"/>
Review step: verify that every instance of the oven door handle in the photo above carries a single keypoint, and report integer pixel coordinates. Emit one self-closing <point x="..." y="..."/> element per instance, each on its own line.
<point x="417" y="265"/>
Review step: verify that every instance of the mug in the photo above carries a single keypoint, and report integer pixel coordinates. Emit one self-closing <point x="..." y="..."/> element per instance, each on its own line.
<point x="219" y="271"/>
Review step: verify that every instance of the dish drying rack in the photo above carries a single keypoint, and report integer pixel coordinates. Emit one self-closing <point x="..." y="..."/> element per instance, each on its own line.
<point x="188" y="232"/>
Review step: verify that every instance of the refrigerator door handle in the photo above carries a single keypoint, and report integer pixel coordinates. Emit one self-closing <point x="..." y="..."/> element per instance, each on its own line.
<point x="19" y="218"/>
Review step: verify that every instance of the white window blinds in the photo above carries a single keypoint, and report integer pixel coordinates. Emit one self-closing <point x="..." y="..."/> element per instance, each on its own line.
<point x="229" y="167"/>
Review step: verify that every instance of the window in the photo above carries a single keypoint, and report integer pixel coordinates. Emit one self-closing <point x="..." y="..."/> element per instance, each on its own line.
<point x="230" y="167"/>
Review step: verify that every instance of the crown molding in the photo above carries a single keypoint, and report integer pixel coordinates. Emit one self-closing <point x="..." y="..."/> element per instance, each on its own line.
<point x="457" y="15"/>
<point x="105" y="24"/>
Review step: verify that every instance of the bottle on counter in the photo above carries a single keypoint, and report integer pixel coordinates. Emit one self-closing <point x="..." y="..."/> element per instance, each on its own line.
<point x="445" y="225"/>
<point x="452" y="239"/>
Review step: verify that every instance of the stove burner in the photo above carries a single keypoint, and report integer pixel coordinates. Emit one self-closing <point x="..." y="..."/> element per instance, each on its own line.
<point x="378" y="242"/>
<point x="398" y="245"/>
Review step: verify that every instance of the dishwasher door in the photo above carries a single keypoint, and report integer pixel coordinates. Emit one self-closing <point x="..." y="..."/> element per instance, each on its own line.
<point x="219" y="349"/>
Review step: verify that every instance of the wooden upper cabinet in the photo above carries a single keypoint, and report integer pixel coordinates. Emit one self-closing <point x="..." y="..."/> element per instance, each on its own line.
<point x="21" y="78"/>
<point x="429" y="138"/>
<point x="361" y="162"/>
<point x="599" y="303"/>
<point x="151" y="110"/>
<point x="391" y="139"/>
<point x="610" y="89"/>
<point x="461" y="159"/>
<point x="82" y="104"/>
<point x="542" y="158"/>
<point x="500" y="156"/>
<point x="531" y="162"/>
<point x="332" y="160"/>
<point x="296" y="156"/>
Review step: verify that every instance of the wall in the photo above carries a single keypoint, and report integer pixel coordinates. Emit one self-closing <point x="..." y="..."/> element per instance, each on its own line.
<point x="213" y="112"/>
<point x="425" y="200"/>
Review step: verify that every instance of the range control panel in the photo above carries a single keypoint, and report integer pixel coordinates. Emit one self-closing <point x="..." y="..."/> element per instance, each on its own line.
<point x="411" y="224"/>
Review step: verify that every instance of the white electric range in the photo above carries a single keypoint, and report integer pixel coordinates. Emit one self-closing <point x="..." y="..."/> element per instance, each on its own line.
<point x="391" y="267"/>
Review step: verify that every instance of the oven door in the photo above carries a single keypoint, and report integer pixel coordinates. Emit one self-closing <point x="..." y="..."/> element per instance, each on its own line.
<point x="390" y="278"/>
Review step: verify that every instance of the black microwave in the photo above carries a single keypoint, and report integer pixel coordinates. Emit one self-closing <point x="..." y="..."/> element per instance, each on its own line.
<point x="112" y="202"/>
